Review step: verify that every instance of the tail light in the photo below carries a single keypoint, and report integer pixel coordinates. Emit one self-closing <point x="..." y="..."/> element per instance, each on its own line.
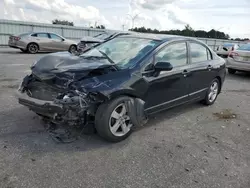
<point x="233" y="54"/>
<point x="17" y="38"/>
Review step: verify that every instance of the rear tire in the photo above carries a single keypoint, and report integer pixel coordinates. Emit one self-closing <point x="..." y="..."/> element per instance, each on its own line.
<point x="231" y="71"/>
<point x="212" y="92"/>
<point x="111" y="115"/>
<point x="33" y="48"/>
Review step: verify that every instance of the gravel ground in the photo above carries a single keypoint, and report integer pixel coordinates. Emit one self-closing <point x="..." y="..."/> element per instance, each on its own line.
<point x="187" y="147"/>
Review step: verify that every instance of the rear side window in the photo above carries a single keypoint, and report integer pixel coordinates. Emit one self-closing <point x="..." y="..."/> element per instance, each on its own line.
<point x="42" y="35"/>
<point x="199" y="53"/>
<point x="176" y="54"/>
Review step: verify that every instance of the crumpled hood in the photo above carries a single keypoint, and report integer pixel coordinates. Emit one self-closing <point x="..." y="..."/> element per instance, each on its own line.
<point x="65" y="62"/>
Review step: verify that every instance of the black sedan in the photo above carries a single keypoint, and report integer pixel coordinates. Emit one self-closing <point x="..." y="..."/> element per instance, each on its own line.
<point x="118" y="84"/>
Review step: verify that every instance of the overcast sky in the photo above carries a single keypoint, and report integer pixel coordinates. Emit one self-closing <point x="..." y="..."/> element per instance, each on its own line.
<point x="230" y="16"/>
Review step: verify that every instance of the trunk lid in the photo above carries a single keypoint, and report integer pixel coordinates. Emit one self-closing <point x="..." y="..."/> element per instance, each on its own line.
<point x="243" y="56"/>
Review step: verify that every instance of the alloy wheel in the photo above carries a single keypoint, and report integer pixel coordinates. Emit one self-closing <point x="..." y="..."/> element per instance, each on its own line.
<point x="213" y="91"/>
<point x="73" y="49"/>
<point x="119" y="122"/>
<point x="33" y="48"/>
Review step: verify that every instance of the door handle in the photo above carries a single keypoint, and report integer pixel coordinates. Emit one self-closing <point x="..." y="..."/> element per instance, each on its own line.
<point x="209" y="67"/>
<point x="185" y="72"/>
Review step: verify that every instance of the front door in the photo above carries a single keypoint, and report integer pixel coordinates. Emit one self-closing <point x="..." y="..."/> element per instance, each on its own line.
<point x="57" y="43"/>
<point x="168" y="88"/>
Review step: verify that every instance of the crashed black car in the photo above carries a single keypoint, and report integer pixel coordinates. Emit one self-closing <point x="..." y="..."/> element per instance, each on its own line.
<point x="118" y="84"/>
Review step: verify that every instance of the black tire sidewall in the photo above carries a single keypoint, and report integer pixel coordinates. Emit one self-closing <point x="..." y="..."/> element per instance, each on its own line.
<point x="102" y="120"/>
<point x="231" y="71"/>
<point x="28" y="49"/>
<point x="207" y="102"/>
<point x="70" y="48"/>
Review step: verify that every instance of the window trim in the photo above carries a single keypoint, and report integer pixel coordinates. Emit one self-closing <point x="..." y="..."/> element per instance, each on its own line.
<point x="207" y="50"/>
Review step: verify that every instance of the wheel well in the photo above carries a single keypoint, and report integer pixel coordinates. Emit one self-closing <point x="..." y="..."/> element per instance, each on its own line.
<point x="125" y="94"/>
<point x="219" y="78"/>
<point x="33" y="43"/>
<point x="73" y="45"/>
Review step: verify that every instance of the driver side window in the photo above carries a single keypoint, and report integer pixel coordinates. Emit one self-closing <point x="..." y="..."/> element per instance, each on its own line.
<point x="176" y="54"/>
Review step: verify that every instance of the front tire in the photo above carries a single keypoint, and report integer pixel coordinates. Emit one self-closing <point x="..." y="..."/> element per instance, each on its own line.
<point x="73" y="49"/>
<point x="231" y="71"/>
<point x="212" y="92"/>
<point x="112" y="121"/>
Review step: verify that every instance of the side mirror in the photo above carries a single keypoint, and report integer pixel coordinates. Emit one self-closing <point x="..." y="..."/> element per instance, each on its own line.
<point x="63" y="39"/>
<point x="163" y="66"/>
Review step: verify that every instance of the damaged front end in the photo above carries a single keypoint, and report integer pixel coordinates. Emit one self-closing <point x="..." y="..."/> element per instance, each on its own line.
<point x="62" y="109"/>
<point x="66" y="91"/>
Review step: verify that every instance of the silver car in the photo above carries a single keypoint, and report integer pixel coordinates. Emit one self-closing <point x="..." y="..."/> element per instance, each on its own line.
<point x="226" y="48"/>
<point x="41" y="41"/>
<point x="239" y="60"/>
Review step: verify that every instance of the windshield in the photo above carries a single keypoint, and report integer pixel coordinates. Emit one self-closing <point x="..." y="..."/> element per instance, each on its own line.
<point x="245" y="47"/>
<point x="124" y="52"/>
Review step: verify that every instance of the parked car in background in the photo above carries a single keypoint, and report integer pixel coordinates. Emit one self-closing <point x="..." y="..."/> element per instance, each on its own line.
<point x="225" y="49"/>
<point x="34" y="42"/>
<point x="120" y="82"/>
<point x="88" y="41"/>
<point x="239" y="60"/>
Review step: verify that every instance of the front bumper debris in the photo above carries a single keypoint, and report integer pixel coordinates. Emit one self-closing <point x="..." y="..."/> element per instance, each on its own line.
<point x="46" y="108"/>
<point x="67" y="116"/>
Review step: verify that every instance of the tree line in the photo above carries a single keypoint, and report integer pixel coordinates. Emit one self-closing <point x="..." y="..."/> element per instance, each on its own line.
<point x="187" y="31"/>
<point x="190" y="32"/>
<point x="65" y="22"/>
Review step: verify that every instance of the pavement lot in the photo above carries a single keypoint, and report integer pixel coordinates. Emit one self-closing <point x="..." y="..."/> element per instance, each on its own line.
<point x="186" y="147"/>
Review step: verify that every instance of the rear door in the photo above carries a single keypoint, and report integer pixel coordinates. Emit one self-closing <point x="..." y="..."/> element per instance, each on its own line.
<point x="202" y="69"/>
<point x="42" y="39"/>
<point x="57" y="43"/>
